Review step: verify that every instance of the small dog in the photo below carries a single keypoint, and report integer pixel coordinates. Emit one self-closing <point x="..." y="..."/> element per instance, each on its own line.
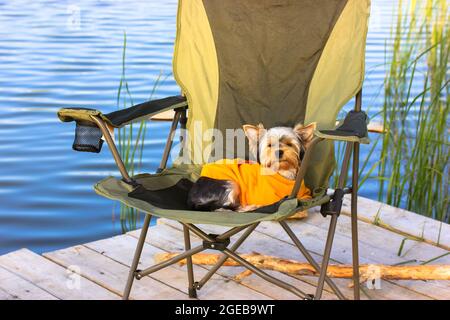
<point x="244" y="186"/>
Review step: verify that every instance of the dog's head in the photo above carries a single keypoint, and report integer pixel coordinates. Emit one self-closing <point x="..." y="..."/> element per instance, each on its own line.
<point x="280" y="149"/>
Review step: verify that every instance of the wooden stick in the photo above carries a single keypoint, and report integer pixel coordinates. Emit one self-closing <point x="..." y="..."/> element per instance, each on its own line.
<point x="299" y="215"/>
<point x="375" y="271"/>
<point x="240" y="276"/>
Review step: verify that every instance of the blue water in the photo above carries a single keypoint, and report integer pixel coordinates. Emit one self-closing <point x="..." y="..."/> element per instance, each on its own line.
<point x="57" y="54"/>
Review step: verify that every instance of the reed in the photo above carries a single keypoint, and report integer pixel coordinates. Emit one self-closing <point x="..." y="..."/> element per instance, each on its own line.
<point x="412" y="168"/>
<point x="130" y="140"/>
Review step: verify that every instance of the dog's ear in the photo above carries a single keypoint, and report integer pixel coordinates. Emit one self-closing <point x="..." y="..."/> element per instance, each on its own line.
<point x="305" y="133"/>
<point x="253" y="133"/>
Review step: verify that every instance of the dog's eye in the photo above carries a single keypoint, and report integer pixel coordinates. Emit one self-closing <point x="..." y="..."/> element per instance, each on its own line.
<point x="269" y="145"/>
<point x="289" y="144"/>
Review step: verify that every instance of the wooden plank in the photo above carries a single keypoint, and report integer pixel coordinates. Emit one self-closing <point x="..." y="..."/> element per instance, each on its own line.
<point x="313" y="237"/>
<point x="375" y="127"/>
<point x="371" y="235"/>
<point x="167" y="115"/>
<point x="401" y="221"/>
<point x="111" y="275"/>
<point x="258" y="243"/>
<point x="51" y="277"/>
<point x="121" y="249"/>
<point x="168" y="240"/>
<point x="379" y="237"/>
<point x="13" y="287"/>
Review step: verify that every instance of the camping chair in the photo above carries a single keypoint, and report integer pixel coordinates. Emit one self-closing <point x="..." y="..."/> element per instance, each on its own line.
<point x="277" y="62"/>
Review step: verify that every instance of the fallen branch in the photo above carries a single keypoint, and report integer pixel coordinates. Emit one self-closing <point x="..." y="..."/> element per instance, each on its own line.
<point x="372" y="271"/>
<point x="299" y="215"/>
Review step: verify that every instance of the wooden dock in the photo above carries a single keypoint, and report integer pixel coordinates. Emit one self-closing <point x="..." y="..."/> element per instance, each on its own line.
<point x="98" y="270"/>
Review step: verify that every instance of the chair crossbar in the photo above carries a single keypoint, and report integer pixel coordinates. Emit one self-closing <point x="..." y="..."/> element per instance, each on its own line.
<point x="266" y="276"/>
<point x="234" y="247"/>
<point x="142" y="273"/>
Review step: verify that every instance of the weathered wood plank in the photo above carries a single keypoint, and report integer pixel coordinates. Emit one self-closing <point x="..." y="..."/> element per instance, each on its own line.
<point x="13" y="287"/>
<point x="168" y="239"/>
<point x="121" y="249"/>
<point x="54" y="279"/>
<point x="167" y="115"/>
<point x="389" y="242"/>
<point x="111" y="275"/>
<point x="258" y="242"/>
<point x="375" y="236"/>
<point x="401" y="221"/>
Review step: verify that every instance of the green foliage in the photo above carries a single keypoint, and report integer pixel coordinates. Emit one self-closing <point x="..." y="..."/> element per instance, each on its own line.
<point x="129" y="142"/>
<point x="412" y="167"/>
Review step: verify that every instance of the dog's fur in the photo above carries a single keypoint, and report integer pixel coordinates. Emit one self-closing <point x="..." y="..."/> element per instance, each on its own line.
<point x="279" y="150"/>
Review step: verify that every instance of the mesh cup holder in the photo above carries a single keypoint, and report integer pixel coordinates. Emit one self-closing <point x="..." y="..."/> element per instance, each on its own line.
<point x="88" y="137"/>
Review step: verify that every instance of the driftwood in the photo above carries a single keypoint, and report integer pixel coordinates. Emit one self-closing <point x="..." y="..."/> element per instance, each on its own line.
<point x="373" y="271"/>
<point x="299" y="215"/>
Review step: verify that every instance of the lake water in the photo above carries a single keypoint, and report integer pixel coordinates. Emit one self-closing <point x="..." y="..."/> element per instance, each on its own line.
<point x="57" y="54"/>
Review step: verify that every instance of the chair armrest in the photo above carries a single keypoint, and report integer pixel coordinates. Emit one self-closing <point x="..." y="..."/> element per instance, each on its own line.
<point x="123" y="117"/>
<point x="352" y="129"/>
<point x="78" y="114"/>
<point x="145" y="110"/>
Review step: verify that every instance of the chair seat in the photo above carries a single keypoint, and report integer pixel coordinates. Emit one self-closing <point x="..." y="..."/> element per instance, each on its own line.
<point x="164" y="195"/>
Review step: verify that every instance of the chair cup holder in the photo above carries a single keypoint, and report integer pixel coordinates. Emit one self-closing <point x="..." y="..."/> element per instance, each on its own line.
<point x="88" y="137"/>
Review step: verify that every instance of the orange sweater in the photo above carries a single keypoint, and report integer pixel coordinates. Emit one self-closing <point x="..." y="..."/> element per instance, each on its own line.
<point x="257" y="188"/>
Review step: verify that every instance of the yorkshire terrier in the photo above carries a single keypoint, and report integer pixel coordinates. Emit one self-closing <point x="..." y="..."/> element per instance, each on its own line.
<point x="245" y="186"/>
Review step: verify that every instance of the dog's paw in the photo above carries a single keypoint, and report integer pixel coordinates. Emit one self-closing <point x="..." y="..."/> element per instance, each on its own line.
<point x="247" y="208"/>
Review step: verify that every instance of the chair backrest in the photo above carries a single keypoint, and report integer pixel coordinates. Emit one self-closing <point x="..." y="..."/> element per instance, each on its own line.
<point x="278" y="62"/>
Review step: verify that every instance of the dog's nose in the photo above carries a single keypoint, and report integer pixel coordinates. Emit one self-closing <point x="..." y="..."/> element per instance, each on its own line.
<point x="280" y="153"/>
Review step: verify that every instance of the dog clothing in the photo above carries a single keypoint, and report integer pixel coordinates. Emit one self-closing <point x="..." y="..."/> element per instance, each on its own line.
<point x="258" y="185"/>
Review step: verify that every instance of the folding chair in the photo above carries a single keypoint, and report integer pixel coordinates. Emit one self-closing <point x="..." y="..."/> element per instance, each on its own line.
<point x="278" y="62"/>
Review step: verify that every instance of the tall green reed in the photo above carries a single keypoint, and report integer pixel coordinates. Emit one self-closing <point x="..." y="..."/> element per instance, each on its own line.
<point x="412" y="169"/>
<point x="129" y="142"/>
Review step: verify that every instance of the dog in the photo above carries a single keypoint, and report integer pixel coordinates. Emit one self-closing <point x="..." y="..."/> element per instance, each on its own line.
<point x="243" y="186"/>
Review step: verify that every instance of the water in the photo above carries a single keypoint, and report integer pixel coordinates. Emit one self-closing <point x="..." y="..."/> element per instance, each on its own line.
<point x="57" y="54"/>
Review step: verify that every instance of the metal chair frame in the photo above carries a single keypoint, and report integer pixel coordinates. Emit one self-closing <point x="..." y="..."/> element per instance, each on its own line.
<point x="222" y="242"/>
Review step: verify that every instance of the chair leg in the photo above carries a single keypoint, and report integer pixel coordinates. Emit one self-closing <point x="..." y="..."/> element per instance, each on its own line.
<point x="354" y="222"/>
<point x="310" y="259"/>
<point x="137" y="256"/>
<point x="326" y="257"/>
<point x="190" y="270"/>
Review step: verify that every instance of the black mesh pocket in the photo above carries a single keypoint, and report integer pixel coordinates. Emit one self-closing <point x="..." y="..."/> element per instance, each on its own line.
<point x="88" y="137"/>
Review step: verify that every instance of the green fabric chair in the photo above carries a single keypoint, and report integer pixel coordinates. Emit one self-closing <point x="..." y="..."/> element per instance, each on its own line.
<point x="278" y="62"/>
